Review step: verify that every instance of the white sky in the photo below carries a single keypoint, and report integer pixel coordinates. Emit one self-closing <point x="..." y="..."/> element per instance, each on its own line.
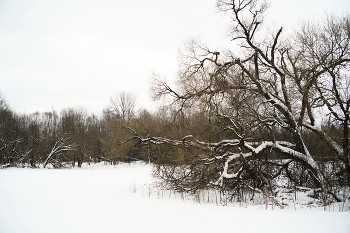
<point x="78" y="53"/>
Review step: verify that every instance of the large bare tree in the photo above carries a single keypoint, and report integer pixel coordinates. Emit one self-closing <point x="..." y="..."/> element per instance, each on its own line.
<point x="272" y="89"/>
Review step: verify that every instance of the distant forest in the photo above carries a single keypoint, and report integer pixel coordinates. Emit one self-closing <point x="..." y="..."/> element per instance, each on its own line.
<point x="74" y="136"/>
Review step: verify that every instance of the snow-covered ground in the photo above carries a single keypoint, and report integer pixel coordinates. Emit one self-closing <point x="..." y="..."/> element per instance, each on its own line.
<point x="120" y="199"/>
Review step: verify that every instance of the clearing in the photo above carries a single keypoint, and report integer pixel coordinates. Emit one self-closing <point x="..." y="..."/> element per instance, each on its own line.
<point x="100" y="198"/>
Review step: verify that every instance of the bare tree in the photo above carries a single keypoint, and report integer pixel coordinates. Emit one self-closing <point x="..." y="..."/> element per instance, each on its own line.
<point x="58" y="150"/>
<point x="273" y="86"/>
<point x="326" y="53"/>
<point x="11" y="136"/>
<point x="3" y="103"/>
<point x="123" y="105"/>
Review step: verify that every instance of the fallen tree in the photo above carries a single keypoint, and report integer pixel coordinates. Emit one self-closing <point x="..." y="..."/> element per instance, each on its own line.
<point x="236" y="166"/>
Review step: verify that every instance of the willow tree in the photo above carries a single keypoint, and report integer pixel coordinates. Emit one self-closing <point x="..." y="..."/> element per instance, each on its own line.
<point x="263" y="98"/>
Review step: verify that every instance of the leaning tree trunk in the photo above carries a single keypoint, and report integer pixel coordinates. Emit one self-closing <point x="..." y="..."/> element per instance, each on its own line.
<point x="346" y="148"/>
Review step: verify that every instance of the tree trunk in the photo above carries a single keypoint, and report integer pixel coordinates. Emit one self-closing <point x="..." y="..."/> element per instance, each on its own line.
<point x="346" y="149"/>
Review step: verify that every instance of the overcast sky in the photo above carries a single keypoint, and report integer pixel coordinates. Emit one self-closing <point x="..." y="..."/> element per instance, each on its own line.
<point x="78" y="53"/>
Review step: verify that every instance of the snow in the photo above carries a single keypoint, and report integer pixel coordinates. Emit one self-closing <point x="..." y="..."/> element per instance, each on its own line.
<point x="283" y="147"/>
<point x="307" y="158"/>
<point x="117" y="199"/>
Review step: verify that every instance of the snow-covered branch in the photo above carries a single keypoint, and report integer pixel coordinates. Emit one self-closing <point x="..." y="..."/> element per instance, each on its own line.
<point x="61" y="146"/>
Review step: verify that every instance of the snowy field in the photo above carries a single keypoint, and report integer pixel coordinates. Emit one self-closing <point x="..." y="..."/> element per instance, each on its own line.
<point x="119" y="199"/>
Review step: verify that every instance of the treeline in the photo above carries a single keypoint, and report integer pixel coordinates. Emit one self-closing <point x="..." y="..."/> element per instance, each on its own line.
<point x="63" y="139"/>
<point x="74" y="136"/>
